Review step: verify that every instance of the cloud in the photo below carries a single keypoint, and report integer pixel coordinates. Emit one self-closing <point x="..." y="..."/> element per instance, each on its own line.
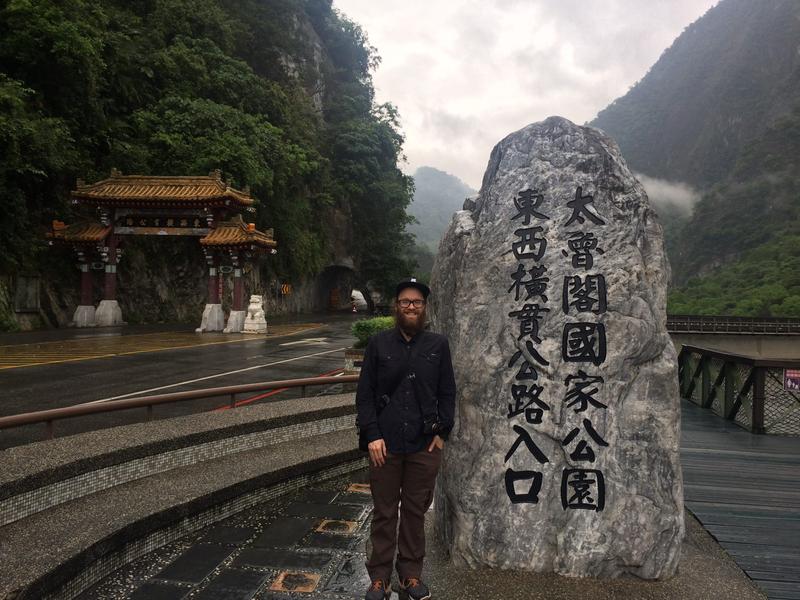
<point x="466" y="73"/>
<point x="446" y="125"/>
<point x="672" y="194"/>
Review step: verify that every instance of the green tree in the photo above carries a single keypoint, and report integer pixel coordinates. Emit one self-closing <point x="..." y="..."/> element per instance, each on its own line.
<point x="764" y="282"/>
<point x="276" y="93"/>
<point x="37" y="152"/>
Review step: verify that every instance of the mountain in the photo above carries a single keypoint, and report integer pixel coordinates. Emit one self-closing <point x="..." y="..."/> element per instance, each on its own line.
<point x="722" y="82"/>
<point x="720" y="110"/>
<point x="437" y="196"/>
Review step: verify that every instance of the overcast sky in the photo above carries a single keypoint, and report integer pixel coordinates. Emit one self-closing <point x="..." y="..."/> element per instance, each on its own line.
<point x="465" y="73"/>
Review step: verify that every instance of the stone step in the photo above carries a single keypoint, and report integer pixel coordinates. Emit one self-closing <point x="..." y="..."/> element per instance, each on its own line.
<point x="41" y="475"/>
<point x="62" y="550"/>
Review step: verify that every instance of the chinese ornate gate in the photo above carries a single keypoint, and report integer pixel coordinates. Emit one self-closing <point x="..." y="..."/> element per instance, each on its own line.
<point x="202" y="207"/>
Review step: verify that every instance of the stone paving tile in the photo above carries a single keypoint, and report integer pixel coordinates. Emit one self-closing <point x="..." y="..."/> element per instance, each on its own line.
<point x="284" y="532"/>
<point x="331" y="541"/>
<point x="227" y="534"/>
<point x="317" y="496"/>
<point x="293" y="581"/>
<point x="350" y="577"/>
<point x="354" y="498"/>
<point x="338" y="527"/>
<point x="279" y="558"/>
<point x="197" y="563"/>
<point x="130" y="578"/>
<point x="233" y="584"/>
<point x="158" y="590"/>
<point x="345" y="512"/>
<point x="359" y="488"/>
<point x="259" y="516"/>
<point x="251" y="549"/>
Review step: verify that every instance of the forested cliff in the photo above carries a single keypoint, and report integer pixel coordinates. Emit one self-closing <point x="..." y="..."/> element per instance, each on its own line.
<point x="275" y="93"/>
<point x="437" y="195"/>
<point x="721" y="110"/>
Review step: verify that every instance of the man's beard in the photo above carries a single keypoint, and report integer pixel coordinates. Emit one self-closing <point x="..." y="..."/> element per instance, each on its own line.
<point x="410" y="324"/>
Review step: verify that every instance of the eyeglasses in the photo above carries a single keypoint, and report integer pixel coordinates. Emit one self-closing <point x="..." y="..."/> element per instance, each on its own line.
<point x="405" y="303"/>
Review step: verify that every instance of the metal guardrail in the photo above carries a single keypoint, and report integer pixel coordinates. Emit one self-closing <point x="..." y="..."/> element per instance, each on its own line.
<point x="749" y="391"/>
<point x="740" y="388"/>
<point x="50" y="416"/>
<point x="724" y="324"/>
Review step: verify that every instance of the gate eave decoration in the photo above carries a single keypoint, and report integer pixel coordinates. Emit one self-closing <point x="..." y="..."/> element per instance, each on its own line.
<point x="205" y="207"/>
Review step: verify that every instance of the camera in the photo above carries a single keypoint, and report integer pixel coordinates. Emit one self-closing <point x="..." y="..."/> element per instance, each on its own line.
<point x="431" y="426"/>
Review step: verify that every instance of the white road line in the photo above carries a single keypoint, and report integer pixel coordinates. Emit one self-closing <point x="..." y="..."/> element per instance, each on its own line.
<point x="307" y="341"/>
<point x="172" y="385"/>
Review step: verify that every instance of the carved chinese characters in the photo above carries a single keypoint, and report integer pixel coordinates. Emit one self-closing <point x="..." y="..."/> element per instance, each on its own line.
<point x="582" y="341"/>
<point x="551" y="289"/>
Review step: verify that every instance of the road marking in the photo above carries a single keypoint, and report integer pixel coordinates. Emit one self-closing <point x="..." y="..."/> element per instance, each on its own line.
<point x="172" y="385"/>
<point x="307" y="341"/>
<point x="89" y="348"/>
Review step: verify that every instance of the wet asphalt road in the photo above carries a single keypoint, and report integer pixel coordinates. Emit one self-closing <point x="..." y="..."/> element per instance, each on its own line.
<point x="310" y="353"/>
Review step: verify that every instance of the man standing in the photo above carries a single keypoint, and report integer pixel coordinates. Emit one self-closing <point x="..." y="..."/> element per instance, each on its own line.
<point x="406" y="403"/>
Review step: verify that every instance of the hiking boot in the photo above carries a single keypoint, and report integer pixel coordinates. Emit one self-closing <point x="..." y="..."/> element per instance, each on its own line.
<point x="379" y="590"/>
<point x="414" y="589"/>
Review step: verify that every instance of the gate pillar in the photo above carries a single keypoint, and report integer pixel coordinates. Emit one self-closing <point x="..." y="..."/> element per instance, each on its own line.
<point x="213" y="317"/>
<point x="109" y="313"/>
<point x="85" y="312"/>
<point x="238" y="313"/>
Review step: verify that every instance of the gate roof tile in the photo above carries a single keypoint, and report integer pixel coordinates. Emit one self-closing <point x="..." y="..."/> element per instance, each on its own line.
<point x="146" y="190"/>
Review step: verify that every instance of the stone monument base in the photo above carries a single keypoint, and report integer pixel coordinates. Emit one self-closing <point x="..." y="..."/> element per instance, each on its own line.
<point x="84" y="316"/>
<point x="213" y="319"/>
<point x="255" y="327"/>
<point x="108" y="314"/>
<point x="235" y="322"/>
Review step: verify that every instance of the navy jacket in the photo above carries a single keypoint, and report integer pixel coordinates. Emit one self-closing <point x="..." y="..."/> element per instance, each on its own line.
<point x="431" y="390"/>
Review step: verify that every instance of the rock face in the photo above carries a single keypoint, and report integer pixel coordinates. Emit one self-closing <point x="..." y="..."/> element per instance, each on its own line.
<point x="552" y="291"/>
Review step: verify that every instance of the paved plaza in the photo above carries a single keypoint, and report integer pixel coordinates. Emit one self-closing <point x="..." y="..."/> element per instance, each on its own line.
<point x="312" y="545"/>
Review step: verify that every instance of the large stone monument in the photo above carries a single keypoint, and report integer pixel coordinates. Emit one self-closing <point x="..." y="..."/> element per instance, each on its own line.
<point x="551" y="286"/>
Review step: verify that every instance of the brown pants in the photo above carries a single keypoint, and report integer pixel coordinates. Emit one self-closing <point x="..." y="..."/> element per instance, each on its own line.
<point x="407" y="480"/>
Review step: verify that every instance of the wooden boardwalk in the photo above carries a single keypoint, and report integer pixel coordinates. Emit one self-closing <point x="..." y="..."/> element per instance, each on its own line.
<point x="745" y="489"/>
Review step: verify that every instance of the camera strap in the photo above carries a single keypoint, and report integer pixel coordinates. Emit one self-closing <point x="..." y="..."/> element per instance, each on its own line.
<point x="415" y="385"/>
<point x="406" y="369"/>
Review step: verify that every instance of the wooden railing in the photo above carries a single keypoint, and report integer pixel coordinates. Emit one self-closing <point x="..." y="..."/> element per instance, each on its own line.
<point x="749" y="391"/>
<point x="49" y="417"/>
<point x="723" y="324"/>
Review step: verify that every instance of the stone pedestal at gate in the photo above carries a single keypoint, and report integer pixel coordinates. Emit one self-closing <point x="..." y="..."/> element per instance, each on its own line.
<point x="108" y="314"/>
<point x="213" y="315"/>
<point x="235" y="323"/>
<point x="84" y="316"/>
<point x="85" y="313"/>
<point x="551" y="287"/>
<point x="213" y="319"/>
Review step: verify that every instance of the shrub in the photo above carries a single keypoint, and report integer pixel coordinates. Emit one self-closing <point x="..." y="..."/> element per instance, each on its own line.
<point x="364" y="329"/>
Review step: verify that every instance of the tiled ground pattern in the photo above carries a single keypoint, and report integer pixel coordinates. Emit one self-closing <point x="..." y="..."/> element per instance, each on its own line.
<point x="190" y="525"/>
<point x="312" y="540"/>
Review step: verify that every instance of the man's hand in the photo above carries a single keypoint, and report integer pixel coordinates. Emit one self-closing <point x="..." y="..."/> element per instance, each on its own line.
<point x="436" y="442"/>
<point x="377" y="453"/>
